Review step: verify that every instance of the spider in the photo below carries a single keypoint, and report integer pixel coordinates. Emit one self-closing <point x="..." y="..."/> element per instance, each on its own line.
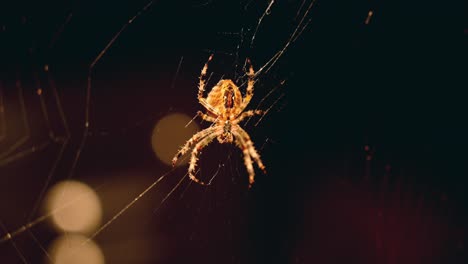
<point x="225" y="109"/>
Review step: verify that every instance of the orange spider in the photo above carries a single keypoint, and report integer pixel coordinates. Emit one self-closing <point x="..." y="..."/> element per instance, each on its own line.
<point x="225" y="109"/>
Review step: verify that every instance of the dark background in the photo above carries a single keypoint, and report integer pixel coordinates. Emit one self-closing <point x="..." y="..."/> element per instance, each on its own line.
<point x="365" y="144"/>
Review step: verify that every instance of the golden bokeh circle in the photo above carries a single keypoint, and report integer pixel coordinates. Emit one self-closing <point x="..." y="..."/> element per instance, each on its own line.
<point x="74" y="206"/>
<point x="75" y="249"/>
<point x="169" y="134"/>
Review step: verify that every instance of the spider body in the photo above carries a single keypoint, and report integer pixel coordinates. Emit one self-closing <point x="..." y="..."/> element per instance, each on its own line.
<point x="226" y="136"/>
<point x="224" y="97"/>
<point x="224" y="109"/>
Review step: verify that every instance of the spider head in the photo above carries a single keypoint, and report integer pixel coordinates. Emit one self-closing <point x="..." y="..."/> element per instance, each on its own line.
<point x="226" y="136"/>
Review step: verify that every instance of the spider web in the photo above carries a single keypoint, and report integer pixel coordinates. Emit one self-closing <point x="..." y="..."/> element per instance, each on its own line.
<point x="83" y="85"/>
<point x="62" y="107"/>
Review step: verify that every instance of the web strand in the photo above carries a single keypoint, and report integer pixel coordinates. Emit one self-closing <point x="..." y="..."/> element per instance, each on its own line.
<point x="27" y="132"/>
<point x="63" y="145"/>
<point x="297" y="32"/>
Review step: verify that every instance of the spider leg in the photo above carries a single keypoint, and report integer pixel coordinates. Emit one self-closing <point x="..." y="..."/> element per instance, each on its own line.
<point x="201" y="87"/>
<point x="245" y="138"/>
<point x="247" y="159"/>
<point x="193" y="159"/>
<point x="250" y="86"/>
<point x="206" y="117"/>
<point x="194" y="139"/>
<point x="248" y="114"/>
<point x="202" y="83"/>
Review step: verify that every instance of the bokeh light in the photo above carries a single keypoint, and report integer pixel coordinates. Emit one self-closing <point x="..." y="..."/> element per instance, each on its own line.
<point x="75" y="206"/>
<point x="75" y="249"/>
<point x="169" y="134"/>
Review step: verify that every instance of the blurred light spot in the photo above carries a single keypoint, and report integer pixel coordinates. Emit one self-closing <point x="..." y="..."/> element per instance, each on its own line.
<point x="46" y="68"/>
<point x="75" y="207"/>
<point x="369" y="16"/>
<point x="39" y="91"/>
<point x="169" y="134"/>
<point x="74" y="249"/>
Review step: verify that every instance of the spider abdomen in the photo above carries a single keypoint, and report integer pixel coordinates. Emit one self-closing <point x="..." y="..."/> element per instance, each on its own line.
<point x="224" y="96"/>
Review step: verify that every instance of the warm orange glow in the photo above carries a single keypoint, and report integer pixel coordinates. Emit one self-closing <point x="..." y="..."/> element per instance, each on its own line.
<point x="39" y="91"/>
<point x="74" y="249"/>
<point x="75" y="207"/>
<point x="369" y="16"/>
<point x="169" y="134"/>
